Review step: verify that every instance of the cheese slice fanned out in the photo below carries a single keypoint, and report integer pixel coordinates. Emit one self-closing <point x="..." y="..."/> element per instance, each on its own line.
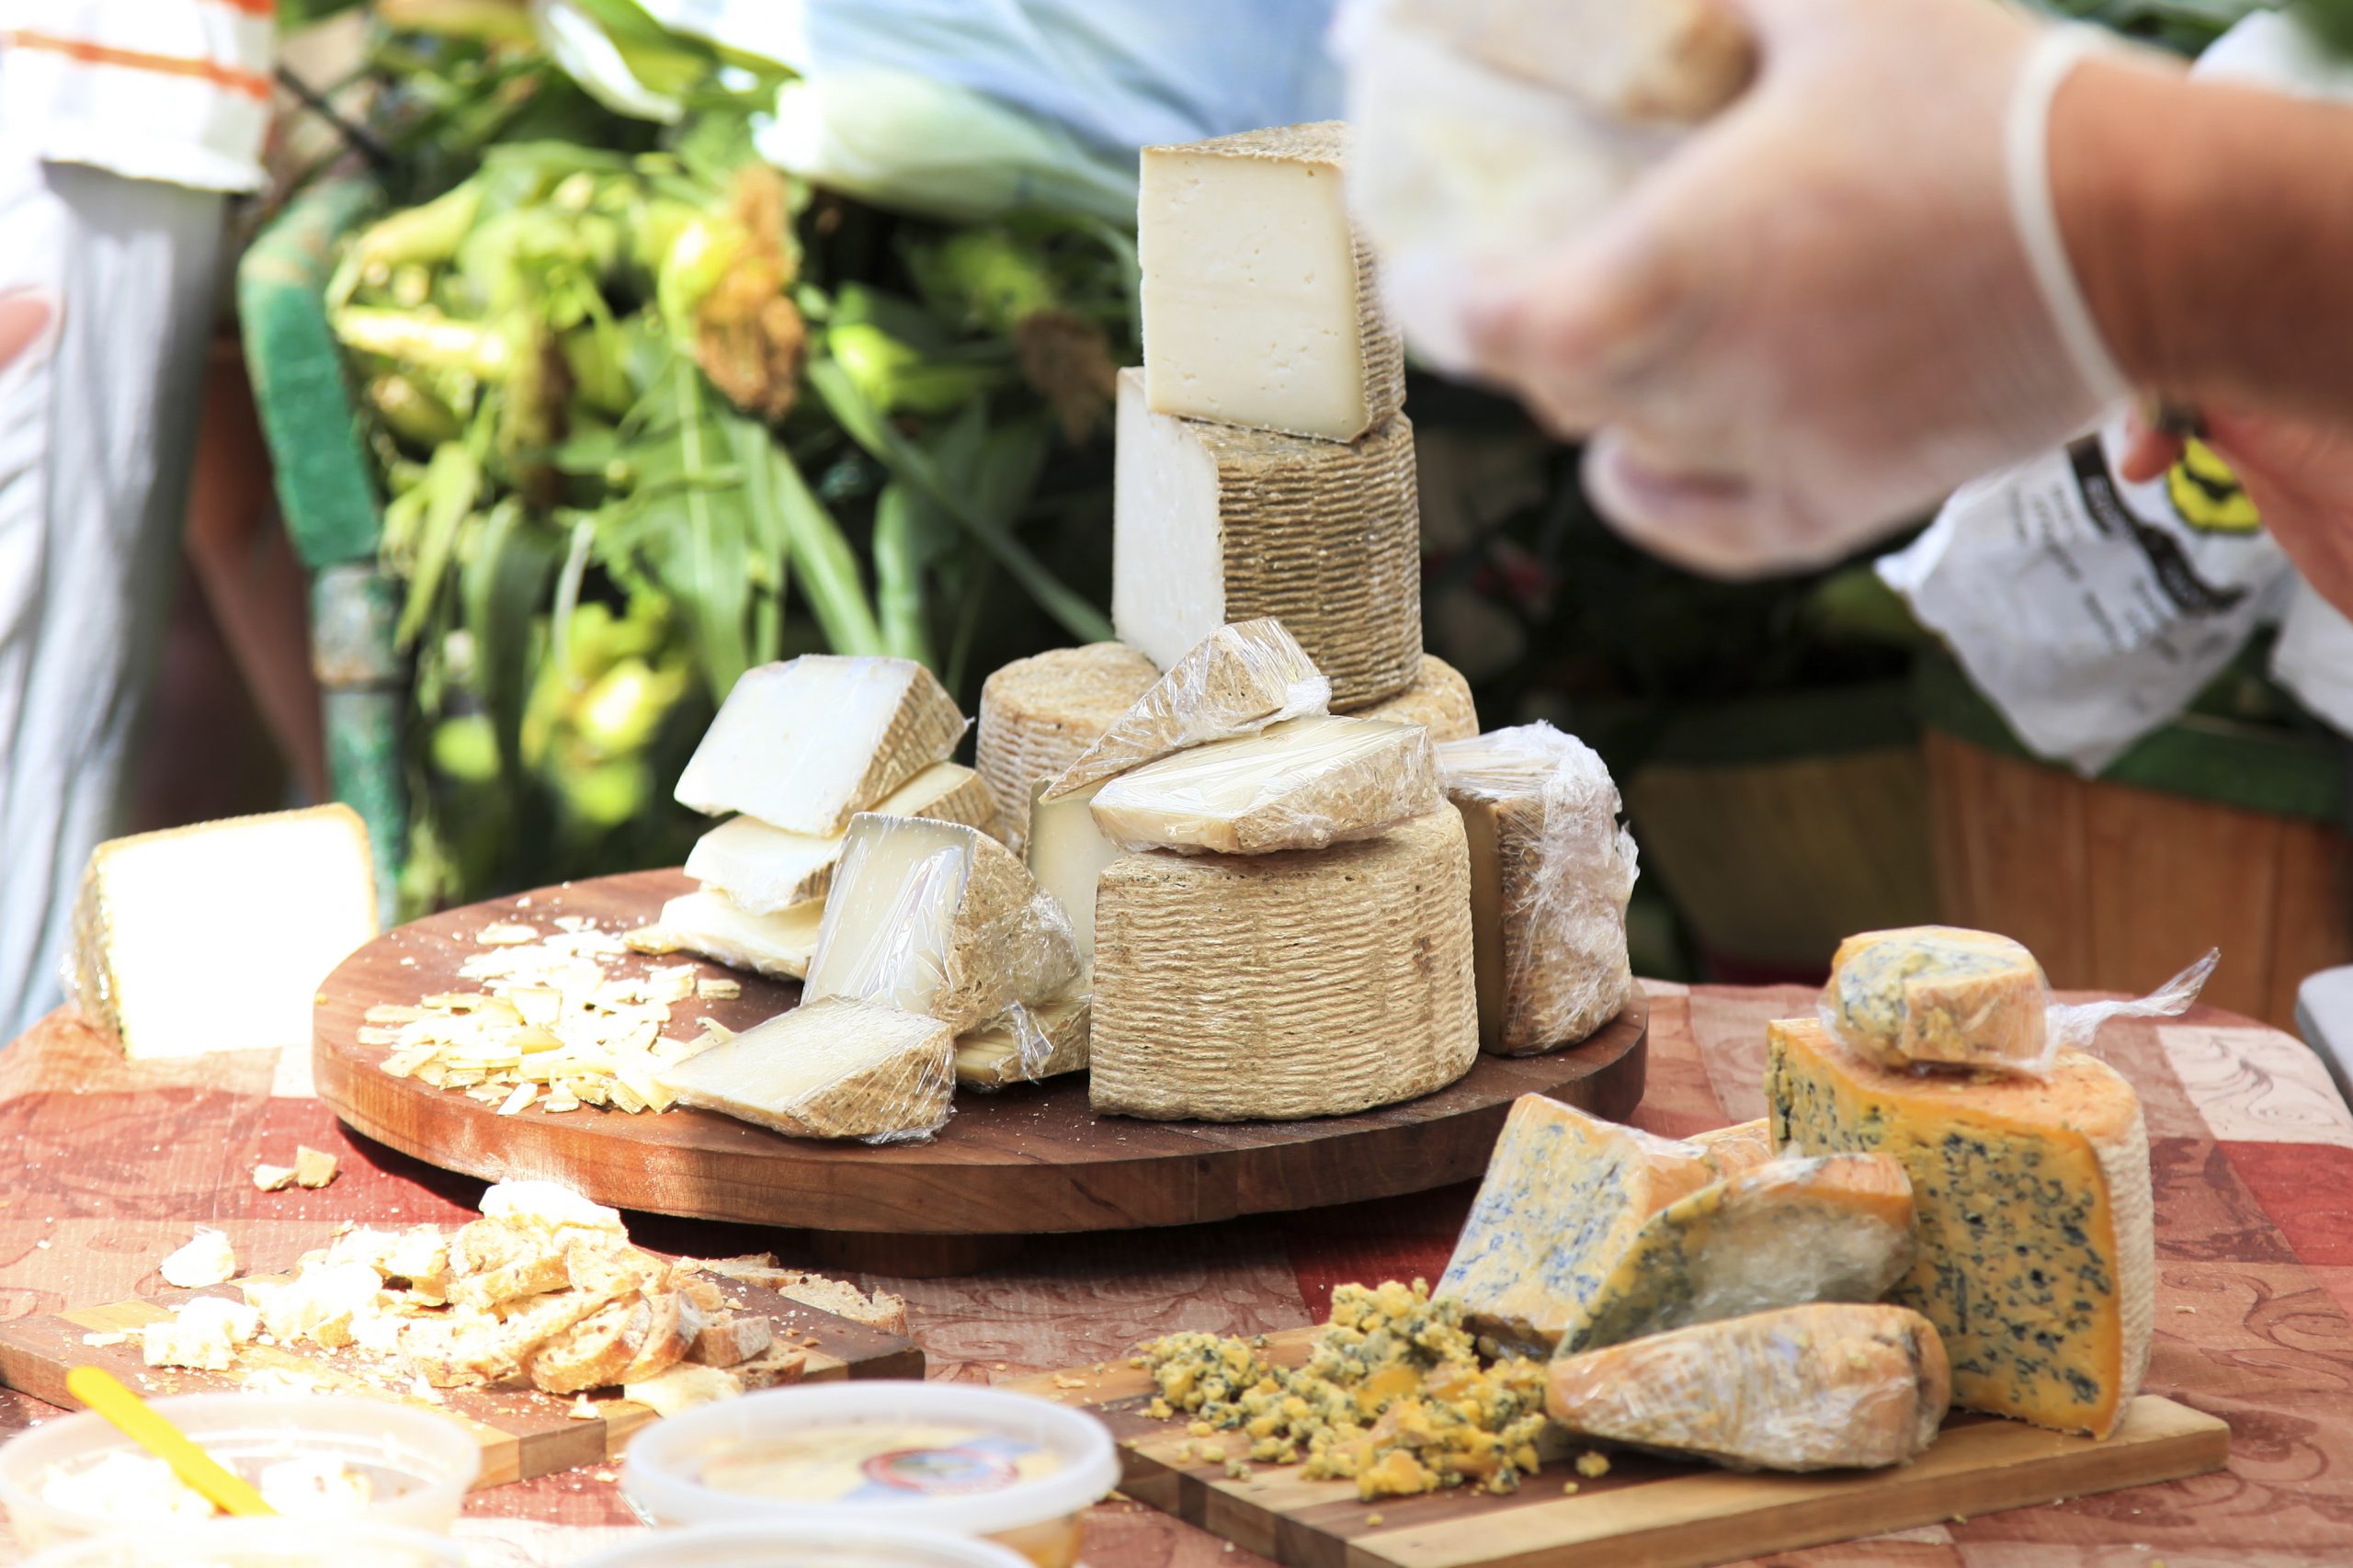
<point x="805" y="744"/>
<point x="1940" y="996"/>
<point x="938" y="918"/>
<point x="1565" y="1197"/>
<point x="829" y="1069"/>
<point x="1238" y="680"/>
<point x="1067" y="853"/>
<point x="1037" y="715"/>
<point x="763" y="870"/>
<point x="1830" y="1386"/>
<point x="1836" y="1227"/>
<point x="1304" y="784"/>
<point x="779" y="945"/>
<point x="2037" y="1238"/>
<point x="1026" y="1045"/>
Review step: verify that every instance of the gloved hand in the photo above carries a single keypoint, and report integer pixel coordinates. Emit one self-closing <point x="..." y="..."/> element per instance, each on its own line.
<point x="2298" y="473"/>
<point x="1817" y="313"/>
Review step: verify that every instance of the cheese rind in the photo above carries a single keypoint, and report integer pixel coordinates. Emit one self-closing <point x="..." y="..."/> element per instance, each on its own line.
<point x="1940" y="995"/>
<point x="1067" y="853"/>
<point x="1212" y="525"/>
<point x="1236" y="681"/>
<point x="2038" y="1252"/>
<point x="1822" y="1387"/>
<point x="941" y="919"/>
<point x="763" y="868"/>
<point x="1836" y="1227"/>
<point x="1304" y="784"/>
<point x="829" y="1069"/>
<point x="778" y="945"/>
<point x="1439" y="700"/>
<point x="1027" y="1045"/>
<point x="1261" y="304"/>
<point x="217" y="936"/>
<point x="1298" y="984"/>
<point x="1551" y="874"/>
<point x="1038" y="715"/>
<point x="804" y="743"/>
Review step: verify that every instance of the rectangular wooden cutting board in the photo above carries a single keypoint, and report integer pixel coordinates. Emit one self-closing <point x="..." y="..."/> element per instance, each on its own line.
<point x="1645" y="1513"/>
<point x="523" y="1433"/>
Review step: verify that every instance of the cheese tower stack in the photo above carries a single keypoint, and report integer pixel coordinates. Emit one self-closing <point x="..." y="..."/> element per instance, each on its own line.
<point x="1264" y="468"/>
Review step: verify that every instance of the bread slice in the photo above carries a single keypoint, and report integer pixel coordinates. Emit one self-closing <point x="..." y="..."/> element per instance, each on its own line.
<point x="667" y="1335"/>
<point x="525" y="1276"/>
<point x="732" y="1341"/>
<point x="593" y="1352"/>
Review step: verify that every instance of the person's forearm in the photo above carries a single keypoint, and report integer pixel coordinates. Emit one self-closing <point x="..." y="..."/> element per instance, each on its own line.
<point x="2212" y="228"/>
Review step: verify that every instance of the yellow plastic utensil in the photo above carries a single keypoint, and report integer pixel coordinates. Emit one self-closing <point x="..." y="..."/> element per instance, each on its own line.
<point x="139" y="1421"/>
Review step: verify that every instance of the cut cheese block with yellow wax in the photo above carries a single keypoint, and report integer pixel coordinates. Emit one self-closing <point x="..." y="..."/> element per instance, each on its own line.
<point x="1067" y="853"/>
<point x="1731" y="1150"/>
<point x="804" y="743"/>
<point x="1834" y="1228"/>
<point x="1038" y="715"/>
<point x="938" y="918"/>
<point x="217" y="936"/>
<point x="1211" y="525"/>
<point x="763" y="870"/>
<point x="1565" y="1197"/>
<point x="1236" y="681"/>
<point x="1232" y="988"/>
<point x="778" y="945"/>
<point x="2038" y="1255"/>
<point x="1026" y="1045"/>
<point x="1439" y="701"/>
<point x="1304" y="784"/>
<point x="1829" y="1386"/>
<point x="1551" y="873"/>
<point x="1260" y="304"/>
<point x="831" y="1069"/>
<point x="1638" y="60"/>
<point x="1941" y="996"/>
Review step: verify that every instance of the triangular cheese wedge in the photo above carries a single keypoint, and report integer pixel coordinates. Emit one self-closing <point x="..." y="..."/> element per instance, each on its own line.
<point x="1236" y="681"/>
<point x="832" y="1069"/>
<point x="763" y="868"/>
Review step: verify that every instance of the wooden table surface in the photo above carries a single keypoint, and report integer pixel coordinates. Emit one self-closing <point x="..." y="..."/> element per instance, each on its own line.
<point x="107" y="1165"/>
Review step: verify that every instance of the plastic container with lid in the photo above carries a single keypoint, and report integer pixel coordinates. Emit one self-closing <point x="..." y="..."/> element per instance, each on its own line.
<point x="836" y="1545"/>
<point x="255" y="1543"/>
<point x="416" y="1464"/>
<point x="969" y="1461"/>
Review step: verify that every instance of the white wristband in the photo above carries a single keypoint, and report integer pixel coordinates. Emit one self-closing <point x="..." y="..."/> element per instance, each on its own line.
<point x="2027" y="151"/>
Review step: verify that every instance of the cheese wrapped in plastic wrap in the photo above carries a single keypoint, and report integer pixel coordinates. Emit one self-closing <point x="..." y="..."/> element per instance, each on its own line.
<point x="940" y="919"/>
<point x="1236" y="681"/>
<point x="1304" y="784"/>
<point x="1828" y="1386"/>
<point x="829" y="1069"/>
<point x="1028" y="1044"/>
<point x="1942" y="996"/>
<point x="1551" y="871"/>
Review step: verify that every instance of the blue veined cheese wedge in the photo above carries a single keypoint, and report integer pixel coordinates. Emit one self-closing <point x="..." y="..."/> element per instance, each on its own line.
<point x="1939" y="996"/>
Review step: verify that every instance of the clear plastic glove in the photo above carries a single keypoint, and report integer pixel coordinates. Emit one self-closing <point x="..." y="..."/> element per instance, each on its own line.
<point x="2298" y="473"/>
<point x="1817" y="313"/>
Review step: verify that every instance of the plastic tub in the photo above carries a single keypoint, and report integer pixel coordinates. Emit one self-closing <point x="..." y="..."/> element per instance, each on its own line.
<point x="839" y="1546"/>
<point x="802" y="1460"/>
<point x="420" y="1463"/>
<point x="255" y="1543"/>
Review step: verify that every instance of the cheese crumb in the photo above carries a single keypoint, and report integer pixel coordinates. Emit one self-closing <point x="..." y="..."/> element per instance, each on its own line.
<point x="1568" y="1489"/>
<point x="507" y="934"/>
<point x="273" y="1179"/>
<point x="711" y="989"/>
<point x="584" y="1409"/>
<point x="1593" y="1464"/>
<point x="207" y="1259"/>
<point x="1372" y="1518"/>
<point x="314" y="1168"/>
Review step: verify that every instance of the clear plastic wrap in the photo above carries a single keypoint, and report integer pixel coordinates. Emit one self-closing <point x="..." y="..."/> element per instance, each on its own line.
<point x="1304" y="784"/>
<point x="1552" y="870"/>
<point x="1028" y="1044"/>
<point x="1827" y="1386"/>
<point x="1038" y="714"/>
<point x="1236" y="681"/>
<point x="832" y="1068"/>
<point x="1943" y="996"/>
<point x="1831" y="1228"/>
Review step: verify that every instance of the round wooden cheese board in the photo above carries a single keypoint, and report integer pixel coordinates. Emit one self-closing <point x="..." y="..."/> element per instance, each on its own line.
<point x="1022" y="1161"/>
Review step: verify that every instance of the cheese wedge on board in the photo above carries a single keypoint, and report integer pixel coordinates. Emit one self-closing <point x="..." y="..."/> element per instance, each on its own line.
<point x="1304" y="784"/>
<point x="1829" y="1386"/>
<point x="217" y="936"/>
<point x="938" y="918"/>
<point x="1551" y="874"/>
<point x="1260" y="304"/>
<point x="2038" y="1249"/>
<point x="804" y="744"/>
<point x="1026" y="1045"/>
<point x="1439" y="701"/>
<point x="1236" y="681"/>
<point x="1038" y="715"/>
<point x="1232" y="988"/>
<point x="1834" y="1228"/>
<point x="1941" y="996"/>
<point x="1565" y="1197"/>
<point x="828" y="1069"/>
<point x="1067" y="853"/>
<point x="1212" y="525"/>
<point x="779" y="946"/>
<point x="1641" y="60"/>
<point x="763" y="870"/>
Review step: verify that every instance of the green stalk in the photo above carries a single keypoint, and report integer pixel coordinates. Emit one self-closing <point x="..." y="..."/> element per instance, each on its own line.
<point x="424" y="338"/>
<point x="898" y="575"/>
<point x="828" y="567"/>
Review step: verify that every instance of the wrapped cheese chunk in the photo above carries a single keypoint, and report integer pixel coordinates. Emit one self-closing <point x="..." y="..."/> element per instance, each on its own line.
<point x="1830" y="1386"/>
<point x="829" y="1069"/>
<point x="778" y="945"/>
<point x="1026" y="1045"/>
<point x="763" y="870"/>
<point x="1551" y="874"/>
<point x="1038" y="715"/>
<point x="1940" y="995"/>
<point x="1304" y="784"/>
<point x="1236" y="681"/>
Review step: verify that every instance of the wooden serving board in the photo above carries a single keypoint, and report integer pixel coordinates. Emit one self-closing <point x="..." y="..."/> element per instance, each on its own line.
<point x="1027" y="1159"/>
<point x="523" y="1433"/>
<point x="1647" y="1512"/>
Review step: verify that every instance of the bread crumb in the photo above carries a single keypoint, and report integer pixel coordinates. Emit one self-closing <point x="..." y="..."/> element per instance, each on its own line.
<point x="584" y="1409"/>
<point x="273" y="1179"/>
<point x="314" y="1168"/>
<point x="207" y="1259"/>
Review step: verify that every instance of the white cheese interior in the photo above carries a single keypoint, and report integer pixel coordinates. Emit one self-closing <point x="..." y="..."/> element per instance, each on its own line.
<point x="1185" y="799"/>
<point x="820" y="1059"/>
<point x="763" y="868"/>
<point x="794" y="740"/>
<point x="778" y="944"/>
<point x="1168" y="540"/>
<point x="1067" y="853"/>
<point x="892" y="912"/>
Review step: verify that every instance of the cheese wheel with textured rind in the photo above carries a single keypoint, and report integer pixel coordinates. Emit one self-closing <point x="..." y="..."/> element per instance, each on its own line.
<point x="1439" y="701"/>
<point x="1038" y="715"/>
<point x="763" y="870"/>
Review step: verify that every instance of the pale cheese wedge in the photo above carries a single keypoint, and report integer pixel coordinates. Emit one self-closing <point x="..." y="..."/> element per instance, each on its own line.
<point x="779" y="945"/>
<point x="1304" y="784"/>
<point x="763" y="868"/>
<point x="829" y="1069"/>
<point x="1067" y="853"/>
